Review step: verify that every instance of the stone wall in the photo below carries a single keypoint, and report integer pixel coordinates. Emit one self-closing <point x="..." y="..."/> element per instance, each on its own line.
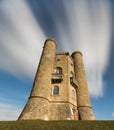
<point x="61" y="104"/>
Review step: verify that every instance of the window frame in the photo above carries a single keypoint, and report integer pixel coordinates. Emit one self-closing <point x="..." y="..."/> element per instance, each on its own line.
<point x="53" y="89"/>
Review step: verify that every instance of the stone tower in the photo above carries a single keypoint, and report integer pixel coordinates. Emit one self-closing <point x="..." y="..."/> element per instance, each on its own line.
<point x="83" y="99"/>
<point x="60" y="89"/>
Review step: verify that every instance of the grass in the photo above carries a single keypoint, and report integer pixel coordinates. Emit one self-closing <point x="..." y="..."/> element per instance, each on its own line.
<point x="56" y="125"/>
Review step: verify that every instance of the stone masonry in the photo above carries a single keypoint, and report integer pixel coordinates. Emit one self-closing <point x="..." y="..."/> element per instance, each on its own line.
<point x="59" y="90"/>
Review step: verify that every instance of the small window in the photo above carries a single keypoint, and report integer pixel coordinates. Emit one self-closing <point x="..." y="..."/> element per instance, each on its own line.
<point x="55" y="90"/>
<point x="58" y="70"/>
<point x="58" y="59"/>
<point x="71" y="74"/>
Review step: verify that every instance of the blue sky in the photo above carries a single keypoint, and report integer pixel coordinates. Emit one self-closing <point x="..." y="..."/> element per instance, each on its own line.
<point x="85" y="25"/>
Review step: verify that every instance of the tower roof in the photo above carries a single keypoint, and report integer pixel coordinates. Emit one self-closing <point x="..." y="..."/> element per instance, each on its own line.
<point x="50" y="39"/>
<point x="77" y="52"/>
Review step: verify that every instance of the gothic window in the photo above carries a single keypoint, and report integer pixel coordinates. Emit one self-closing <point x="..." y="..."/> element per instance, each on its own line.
<point x="55" y="90"/>
<point x="57" y="76"/>
<point x="58" y="70"/>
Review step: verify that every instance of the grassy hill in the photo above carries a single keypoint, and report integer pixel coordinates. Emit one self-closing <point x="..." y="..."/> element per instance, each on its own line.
<point x="56" y="125"/>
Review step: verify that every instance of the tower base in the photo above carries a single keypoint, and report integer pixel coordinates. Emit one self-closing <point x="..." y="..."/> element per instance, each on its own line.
<point x="86" y="113"/>
<point x="36" y="108"/>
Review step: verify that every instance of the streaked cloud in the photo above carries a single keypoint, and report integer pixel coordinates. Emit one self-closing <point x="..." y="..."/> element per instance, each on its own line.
<point x="89" y="30"/>
<point x="21" y="39"/>
<point x="8" y="112"/>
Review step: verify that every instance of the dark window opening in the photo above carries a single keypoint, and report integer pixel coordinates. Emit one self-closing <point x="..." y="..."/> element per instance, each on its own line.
<point x="71" y="77"/>
<point x="54" y="81"/>
<point x="58" y="59"/>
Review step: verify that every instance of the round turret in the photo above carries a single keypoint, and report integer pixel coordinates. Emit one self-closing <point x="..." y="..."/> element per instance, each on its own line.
<point x="37" y="105"/>
<point x="83" y="99"/>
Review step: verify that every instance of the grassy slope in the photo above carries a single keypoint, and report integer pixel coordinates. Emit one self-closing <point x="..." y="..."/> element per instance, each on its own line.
<point x="56" y="125"/>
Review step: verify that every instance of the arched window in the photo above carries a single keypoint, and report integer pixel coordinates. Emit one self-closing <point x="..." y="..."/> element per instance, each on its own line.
<point x="58" y="70"/>
<point x="55" y="90"/>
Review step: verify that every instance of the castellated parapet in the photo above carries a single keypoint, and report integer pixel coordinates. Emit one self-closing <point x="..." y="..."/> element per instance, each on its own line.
<point x="59" y="90"/>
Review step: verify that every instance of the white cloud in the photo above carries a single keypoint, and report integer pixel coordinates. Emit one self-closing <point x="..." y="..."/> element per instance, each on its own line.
<point x="113" y="114"/>
<point x="89" y="31"/>
<point x="21" y="39"/>
<point x="8" y="112"/>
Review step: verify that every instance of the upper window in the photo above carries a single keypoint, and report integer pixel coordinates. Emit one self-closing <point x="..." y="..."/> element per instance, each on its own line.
<point x="55" y="90"/>
<point x="58" y="70"/>
<point x="71" y="74"/>
<point x="57" y="75"/>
